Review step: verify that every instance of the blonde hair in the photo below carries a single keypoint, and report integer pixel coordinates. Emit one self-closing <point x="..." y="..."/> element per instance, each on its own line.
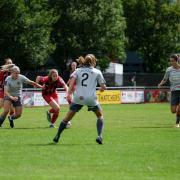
<point x="90" y="60"/>
<point x="80" y="61"/>
<point x="51" y="72"/>
<point x="93" y="56"/>
<point x="15" y="68"/>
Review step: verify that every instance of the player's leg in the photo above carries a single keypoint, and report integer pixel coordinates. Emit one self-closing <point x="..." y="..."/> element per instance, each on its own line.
<point x="178" y="109"/>
<point x="70" y="114"/>
<point x="6" y="106"/>
<point x="1" y="98"/>
<point x="55" y="108"/>
<point x="17" y="112"/>
<point x="52" y="100"/>
<point x="63" y="124"/>
<point x="55" y="111"/>
<point x="175" y="106"/>
<point x="1" y="102"/>
<point x="48" y="99"/>
<point x="12" y="110"/>
<point x="99" y="123"/>
<point x="177" y="115"/>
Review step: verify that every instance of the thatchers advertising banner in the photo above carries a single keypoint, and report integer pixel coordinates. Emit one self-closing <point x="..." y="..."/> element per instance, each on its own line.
<point x="109" y="97"/>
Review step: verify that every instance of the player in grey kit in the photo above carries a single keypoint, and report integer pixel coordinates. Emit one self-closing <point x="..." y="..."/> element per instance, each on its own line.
<point x="173" y="74"/>
<point x="12" y="91"/>
<point x="86" y="79"/>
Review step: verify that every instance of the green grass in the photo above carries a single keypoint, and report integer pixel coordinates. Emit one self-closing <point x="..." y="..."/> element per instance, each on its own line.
<point x="139" y="143"/>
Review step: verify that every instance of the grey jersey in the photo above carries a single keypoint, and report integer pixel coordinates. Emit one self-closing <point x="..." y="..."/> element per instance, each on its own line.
<point x="14" y="86"/>
<point x="87" y="79"/>
<point x="174" y="77"/>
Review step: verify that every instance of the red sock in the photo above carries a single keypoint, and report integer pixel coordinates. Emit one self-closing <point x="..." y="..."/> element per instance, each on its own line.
<point x="54" y="117"/>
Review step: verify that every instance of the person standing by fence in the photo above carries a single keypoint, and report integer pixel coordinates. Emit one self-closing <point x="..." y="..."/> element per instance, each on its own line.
<point x="173" y="74"/>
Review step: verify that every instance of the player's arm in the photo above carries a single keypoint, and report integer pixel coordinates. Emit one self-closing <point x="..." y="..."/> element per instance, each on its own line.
<point x="38" y="79"/>
<point x="65" y="87"/>
<point x="161" y="83"/>
<point x="165" y="78"/>
<point x="68" y="82"/>
<point x="35" y="84"/>
<point x="71" y="85"/>
<point x="102" y="87"/>
<point x="7" y="67"/>
<point x="62" y="84"/>
<point x="70" y="89"/>
<point x="101" y="82"/>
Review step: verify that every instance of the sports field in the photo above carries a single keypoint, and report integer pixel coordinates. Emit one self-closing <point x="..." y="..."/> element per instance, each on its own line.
<point x="140" y="142"/>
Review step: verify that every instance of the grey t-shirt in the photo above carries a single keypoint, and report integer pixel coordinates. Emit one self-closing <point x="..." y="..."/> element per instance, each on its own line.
<point x="86" y="82"/>
<point x="14" y="86"/>
<point x="174" y="77"/>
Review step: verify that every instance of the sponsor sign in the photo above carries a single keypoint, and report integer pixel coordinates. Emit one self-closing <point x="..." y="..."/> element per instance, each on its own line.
<point x="109" y="97"/>
<point x="132" y="96"/>
<point x="30" y="99"/>
<point x="38" y="99"/>
<point x="156" y="95"/>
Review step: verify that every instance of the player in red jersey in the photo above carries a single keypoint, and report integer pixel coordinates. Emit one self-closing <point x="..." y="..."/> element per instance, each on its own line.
<point x="4" y="72"/>
<point x="49" y="93"/>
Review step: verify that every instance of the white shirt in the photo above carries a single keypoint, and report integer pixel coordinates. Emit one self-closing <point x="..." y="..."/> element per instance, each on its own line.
<point x="15" y="85"/>
<point x="87" y="79"/>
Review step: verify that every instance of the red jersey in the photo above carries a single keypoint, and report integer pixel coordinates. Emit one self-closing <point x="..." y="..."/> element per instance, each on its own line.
<point x="3" y="76"/>
<point x="50" y="86"/>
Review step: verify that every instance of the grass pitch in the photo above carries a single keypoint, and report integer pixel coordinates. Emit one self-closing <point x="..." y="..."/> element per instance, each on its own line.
<point x="140" y="142"/>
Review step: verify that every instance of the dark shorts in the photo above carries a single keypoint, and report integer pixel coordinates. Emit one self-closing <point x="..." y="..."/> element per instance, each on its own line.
<point x="175" y="98"/>
<point x="14" y="103"/>
<point x="76" y="107"/>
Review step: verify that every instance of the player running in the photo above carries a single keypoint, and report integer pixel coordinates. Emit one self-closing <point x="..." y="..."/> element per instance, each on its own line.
<point x="13" y="92"/>
<point x="173" y="74"/>
<point x="86" y="79"/>
<point x="50" y="84"/>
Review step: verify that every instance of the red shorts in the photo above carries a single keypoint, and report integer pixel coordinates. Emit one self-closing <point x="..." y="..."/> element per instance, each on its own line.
<point x="1" y="94"/>
<point x="51" y="97"/>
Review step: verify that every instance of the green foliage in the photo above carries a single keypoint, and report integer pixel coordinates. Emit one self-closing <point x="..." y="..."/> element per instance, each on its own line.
<point x="103" y="62"/>
<point x="33" y="30"/>
<point x="88" y="26"/>
<point x="25" y="31"/>
<point x="153" y="29"/>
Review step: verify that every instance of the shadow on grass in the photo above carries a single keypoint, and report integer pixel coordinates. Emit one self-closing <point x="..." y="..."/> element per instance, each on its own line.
<point x="21" y="128"/>
<point x="32" y="128"/>
<point x="61" y="144"/>
<point x="152" y="127"/>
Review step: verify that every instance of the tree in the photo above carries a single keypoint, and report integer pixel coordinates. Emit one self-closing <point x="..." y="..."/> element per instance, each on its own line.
<point x="153" y="29"/>
<point x="25" y="31"/>
<point x="89" y="26"/>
